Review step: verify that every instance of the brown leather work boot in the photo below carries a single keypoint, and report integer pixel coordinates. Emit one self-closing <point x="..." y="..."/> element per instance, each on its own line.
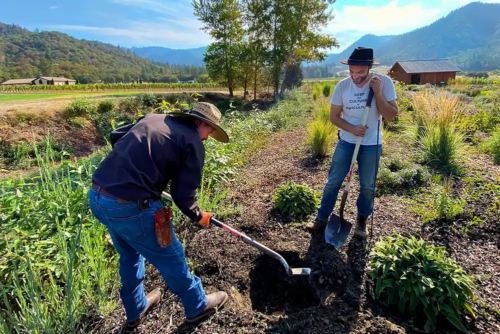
<point x="215" y="301"/>
<point x="316" y="225"/>
<point x="153" y="298"/>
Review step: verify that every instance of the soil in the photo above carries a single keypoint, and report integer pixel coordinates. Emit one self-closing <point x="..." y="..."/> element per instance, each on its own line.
<point x="335" y="298"/>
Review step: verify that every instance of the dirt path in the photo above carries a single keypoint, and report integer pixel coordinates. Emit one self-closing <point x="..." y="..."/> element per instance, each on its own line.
<point x="334" y="299"/>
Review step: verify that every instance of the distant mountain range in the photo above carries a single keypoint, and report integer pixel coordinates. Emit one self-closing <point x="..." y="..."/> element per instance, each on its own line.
<point x="468" y="36"/>
<point x="172" y="56"/>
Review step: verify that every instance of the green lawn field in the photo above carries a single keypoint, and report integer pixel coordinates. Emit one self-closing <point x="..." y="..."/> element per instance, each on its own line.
<point x="37" y="96"/>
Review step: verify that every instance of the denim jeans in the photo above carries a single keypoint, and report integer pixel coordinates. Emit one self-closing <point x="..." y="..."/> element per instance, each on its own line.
<point x="341" y="161"/>
<point x="134" y="238"/>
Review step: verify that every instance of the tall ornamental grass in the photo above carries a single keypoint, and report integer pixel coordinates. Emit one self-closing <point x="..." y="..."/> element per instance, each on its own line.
<point x="436" y="133"/>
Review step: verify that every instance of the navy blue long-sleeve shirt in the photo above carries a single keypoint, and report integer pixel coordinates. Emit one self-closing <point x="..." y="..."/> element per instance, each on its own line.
<point x="149" y="154"/>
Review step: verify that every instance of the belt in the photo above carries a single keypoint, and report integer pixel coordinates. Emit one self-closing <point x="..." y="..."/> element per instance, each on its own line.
<point x="105" y="193"/>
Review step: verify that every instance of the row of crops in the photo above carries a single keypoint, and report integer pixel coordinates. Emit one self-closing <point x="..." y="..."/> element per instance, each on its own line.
<point x="103" y="87"/>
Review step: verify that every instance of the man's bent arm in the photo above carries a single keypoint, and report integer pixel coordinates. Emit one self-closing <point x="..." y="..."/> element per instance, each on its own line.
<point x="335" y="112"/>
<point x="388" y="110"/>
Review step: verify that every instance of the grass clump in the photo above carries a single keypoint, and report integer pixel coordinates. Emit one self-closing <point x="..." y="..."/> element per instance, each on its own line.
<point x="436" y="133"/>
<point x="321" y="137"/>
<point x="327" y="89"/>
<point x="421" y="281"/>
<point x="317" y="91"/>
<point x="295" y="200"/>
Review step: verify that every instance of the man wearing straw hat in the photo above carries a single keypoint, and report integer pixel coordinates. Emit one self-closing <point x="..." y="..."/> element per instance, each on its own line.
<point x="125" y="197"/>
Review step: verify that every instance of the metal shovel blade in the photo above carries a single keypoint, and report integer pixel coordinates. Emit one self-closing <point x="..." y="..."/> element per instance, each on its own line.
<point x="337" y="231"/>
<point x="300" y="271"/>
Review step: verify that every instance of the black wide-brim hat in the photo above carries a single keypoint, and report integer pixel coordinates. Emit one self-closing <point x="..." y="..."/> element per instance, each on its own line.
<point x="208" y="113"/>
<point x="361" y="56"/>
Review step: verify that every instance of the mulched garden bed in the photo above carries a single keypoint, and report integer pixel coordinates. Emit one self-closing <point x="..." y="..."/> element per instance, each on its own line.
<point x="336" y="297"/>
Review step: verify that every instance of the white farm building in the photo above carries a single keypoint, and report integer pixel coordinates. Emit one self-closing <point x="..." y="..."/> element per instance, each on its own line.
<point x="40" y="81"/>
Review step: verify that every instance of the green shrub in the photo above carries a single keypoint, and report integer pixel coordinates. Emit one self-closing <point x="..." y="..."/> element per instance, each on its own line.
<point x="295" y="200"/>
<point x="106" y="107"/>
<point x="146" y="100"/>
<point x="404" y="99"/>
<point x="81" y="107"/>
<point x="420" y="280"/>
<point x="327" y="89"/>
<point x="492" y="146"/>
<point x="321" y="136"/>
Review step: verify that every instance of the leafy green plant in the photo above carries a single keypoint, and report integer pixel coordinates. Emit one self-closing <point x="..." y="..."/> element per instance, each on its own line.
<point x="420" y="280"/>
<point x="321" y="136"/>
<point x="492" y="146"/>
<point x="295" y="200"/>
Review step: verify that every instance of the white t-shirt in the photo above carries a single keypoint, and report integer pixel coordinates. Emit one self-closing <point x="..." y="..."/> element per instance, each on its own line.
<point x="353" y="102"/>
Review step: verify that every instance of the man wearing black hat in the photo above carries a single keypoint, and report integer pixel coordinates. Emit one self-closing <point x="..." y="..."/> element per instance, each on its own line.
<point x="125" y="197"/>
<point x="349" y="100"/>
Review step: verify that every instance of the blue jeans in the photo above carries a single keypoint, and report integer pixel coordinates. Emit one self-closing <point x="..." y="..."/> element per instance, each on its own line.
<point x="134" y="238"/>
<point x="341" y="161"/>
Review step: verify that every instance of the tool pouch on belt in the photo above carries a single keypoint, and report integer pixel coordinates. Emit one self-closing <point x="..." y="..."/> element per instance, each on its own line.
<point x="163" y="226"/>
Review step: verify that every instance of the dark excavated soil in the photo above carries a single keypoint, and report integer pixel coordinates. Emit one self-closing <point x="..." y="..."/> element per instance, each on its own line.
<point x="335" y="298"/>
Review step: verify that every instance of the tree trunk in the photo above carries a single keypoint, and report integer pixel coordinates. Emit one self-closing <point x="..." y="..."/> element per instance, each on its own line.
<point x="231" y="91"/>
<point x="245" y="86"/>
<point x="287" y="61"/>
<point x="255" y="86"/>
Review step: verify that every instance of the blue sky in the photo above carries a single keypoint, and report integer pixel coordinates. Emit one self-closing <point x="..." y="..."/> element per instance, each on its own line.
<point x="171" y="23"/>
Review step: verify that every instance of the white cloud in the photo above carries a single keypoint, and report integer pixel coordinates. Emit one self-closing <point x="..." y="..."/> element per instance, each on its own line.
<point x="390" y="19"/>
<point x="53" y="7"/>
<point x="164" y="7"/>
<point x="146" y="34"/>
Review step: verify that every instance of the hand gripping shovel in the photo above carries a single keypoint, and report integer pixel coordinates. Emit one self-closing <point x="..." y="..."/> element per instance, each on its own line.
<point x="270" y="252"/>
<point x="338" y="228"/>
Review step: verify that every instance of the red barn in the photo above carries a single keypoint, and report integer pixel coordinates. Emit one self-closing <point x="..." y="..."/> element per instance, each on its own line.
<point x="423" y="71"/>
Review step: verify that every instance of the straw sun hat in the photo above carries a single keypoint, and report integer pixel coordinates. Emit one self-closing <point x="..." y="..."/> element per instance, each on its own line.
<point x="208" y="113"/>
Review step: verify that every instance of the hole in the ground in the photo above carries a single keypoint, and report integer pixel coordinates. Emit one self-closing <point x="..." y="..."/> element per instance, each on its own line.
<point x="272" y="291"/>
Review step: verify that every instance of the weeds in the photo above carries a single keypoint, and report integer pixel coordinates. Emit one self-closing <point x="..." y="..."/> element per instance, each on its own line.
<point x="441" y="204"/>
<point x="492" y="146"/>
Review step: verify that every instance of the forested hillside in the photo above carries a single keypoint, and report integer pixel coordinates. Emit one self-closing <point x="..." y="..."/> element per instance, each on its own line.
<point x="471" y="27"/>
<point x="26" y="54"/>
<point x="469" y="36"/>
